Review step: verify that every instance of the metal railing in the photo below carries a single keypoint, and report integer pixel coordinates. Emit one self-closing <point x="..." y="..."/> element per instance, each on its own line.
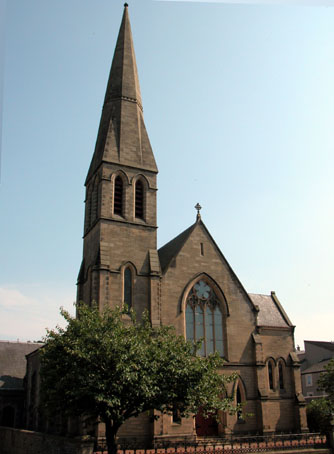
<point x="217" y="445"/>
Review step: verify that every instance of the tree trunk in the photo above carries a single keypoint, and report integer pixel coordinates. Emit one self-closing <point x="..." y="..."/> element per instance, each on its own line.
<point x="111" y="431"/>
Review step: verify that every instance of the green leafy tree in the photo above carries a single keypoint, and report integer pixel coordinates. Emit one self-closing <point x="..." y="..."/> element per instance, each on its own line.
<point x="326" y="382"/>
<point x="318" y="415"/>
<point x="320" y="411"/>
<point x="114" y="369"/>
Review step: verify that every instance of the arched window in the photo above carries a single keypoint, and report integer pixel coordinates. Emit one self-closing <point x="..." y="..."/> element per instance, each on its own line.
<point x="271" y="374"/>
<point x="128" y="287"/>
<point x="94" y="202"/>
<point x="176" y="418"/>
<point x="118" y="196"/>
<point x="281" y="375"/>
<point x="139" y="200"/>
<point x="88" y="209"/>
<point x="204" y="319"/>
<point x="239" y="402"/>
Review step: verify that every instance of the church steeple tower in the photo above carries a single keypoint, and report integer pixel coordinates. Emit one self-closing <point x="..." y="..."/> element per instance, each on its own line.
<point x="120" y="206"/>
<point x="122" y="136"/>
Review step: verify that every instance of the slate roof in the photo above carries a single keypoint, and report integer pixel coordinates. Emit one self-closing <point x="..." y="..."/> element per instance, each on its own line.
<point x="318" y="367"/>
<point x="173" y="247"/>
<point x="13" y="363"/>
<point x="322" y="344"/>
<point x="301" y="355"/>
<point x="270" y="313"/>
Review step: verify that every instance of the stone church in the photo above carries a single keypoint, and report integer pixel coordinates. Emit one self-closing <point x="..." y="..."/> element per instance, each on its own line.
<point x="187" y="283"/>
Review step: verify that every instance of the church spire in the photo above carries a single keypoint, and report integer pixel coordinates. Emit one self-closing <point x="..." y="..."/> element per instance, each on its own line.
<point x="122" y="138"/>
<point x="123" y="79"/>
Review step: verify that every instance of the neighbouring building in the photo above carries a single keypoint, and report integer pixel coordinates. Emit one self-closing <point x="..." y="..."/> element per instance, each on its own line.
<point x="12" y="382"/>
<point x="313" y="360"/>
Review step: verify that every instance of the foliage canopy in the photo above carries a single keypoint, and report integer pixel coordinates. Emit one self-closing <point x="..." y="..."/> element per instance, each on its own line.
<point x="318" y="415"/>
<point x="113" y="367"/>
<point x="320" y="411"/>
<point x="326" y="382"/>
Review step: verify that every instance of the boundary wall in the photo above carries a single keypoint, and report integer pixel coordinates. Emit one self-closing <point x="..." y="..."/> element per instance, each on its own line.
<point x="19" y="441"/>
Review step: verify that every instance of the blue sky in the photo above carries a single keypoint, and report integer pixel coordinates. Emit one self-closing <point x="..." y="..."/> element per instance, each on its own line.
<point x="239" y="105"/>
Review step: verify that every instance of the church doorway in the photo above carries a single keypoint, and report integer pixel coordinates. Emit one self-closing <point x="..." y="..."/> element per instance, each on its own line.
<point x="206" y="427"/>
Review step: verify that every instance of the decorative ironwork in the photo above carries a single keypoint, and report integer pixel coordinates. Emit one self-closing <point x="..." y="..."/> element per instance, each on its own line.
<point x="220" y="445"/>
<point x="198" y="208"/>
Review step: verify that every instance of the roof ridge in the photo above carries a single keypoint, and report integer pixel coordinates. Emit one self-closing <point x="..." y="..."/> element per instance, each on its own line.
<point x="21" y="342"/>
<point x="260" y="294"/>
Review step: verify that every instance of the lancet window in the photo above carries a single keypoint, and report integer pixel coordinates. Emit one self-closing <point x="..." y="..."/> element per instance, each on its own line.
<point x="204" y="319"/>
<point x="118" y="196"/>
<point x="139" y="200"/>
<point x="128" y="287"/>
<point x="94" y="202"/>
<point x="271" y="374"/>
<point x="239" y="402"/>
<point x="240" y="398"/>
<point x="281" y="375"/>
<point x="88" y="209"/>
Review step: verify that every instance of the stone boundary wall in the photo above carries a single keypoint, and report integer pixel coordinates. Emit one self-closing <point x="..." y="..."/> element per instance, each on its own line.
<point x="18" y="441"/>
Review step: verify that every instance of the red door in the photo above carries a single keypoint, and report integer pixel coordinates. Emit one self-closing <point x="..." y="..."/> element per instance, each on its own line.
<point x="206" y="427"/>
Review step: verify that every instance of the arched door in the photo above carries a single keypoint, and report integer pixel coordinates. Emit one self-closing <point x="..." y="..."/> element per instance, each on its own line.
<point x="206" y="427"/>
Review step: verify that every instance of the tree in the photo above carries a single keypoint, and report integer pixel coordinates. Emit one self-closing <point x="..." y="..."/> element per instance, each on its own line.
<point x="318" y="415"/>
<point x="326" y="382"/>
<point x="113" y="367"/>
<point x="319" y="411"/>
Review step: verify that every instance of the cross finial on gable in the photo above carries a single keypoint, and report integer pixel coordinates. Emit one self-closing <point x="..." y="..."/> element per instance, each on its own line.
<point x="198" y="208"/>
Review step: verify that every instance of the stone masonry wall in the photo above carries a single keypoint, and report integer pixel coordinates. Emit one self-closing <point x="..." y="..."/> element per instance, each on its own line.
<point x="16" y="441"/>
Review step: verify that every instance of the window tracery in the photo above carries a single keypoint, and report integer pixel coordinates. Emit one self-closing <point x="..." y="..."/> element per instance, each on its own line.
<point x="204" y="319"/>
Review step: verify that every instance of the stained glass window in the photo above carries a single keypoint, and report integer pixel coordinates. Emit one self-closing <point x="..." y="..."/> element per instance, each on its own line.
<point x="204" y="319"/>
